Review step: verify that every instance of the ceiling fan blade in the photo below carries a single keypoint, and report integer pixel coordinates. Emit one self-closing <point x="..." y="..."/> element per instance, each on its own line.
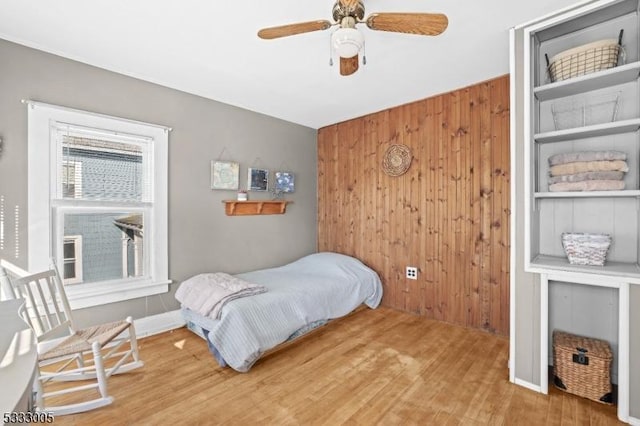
<point x="410" y="23"/>
<point x="349" y="65"/>
<point x="292" y="29"/>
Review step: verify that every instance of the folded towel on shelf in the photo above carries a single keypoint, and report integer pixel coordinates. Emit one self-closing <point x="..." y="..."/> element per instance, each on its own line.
<point x="206" y="294"/>
<point x="588" y="166"/>
<point x="579" y="177"/>
<point x="573" y="157"/>
<point x="588" y="185"/>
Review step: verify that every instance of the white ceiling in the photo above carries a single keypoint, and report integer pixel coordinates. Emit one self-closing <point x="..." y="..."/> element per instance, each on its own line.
<point x="210" y="48"/>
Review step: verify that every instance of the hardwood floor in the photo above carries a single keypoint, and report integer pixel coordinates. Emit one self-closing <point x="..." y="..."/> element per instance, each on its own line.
<point x="373" y="367"/>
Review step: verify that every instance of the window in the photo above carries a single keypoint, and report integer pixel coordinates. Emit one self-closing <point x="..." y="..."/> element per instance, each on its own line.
<point x="72" y="259"/>
<point x="98" y="203"/>
<point x="71" y="179"/>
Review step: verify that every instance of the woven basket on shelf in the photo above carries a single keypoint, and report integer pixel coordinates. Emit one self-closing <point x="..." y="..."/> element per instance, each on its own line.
<point x="396" y="160"/>
<point x="586" y="249"/>
<point x="585" y="59"/>
<point x="582" y="366"/>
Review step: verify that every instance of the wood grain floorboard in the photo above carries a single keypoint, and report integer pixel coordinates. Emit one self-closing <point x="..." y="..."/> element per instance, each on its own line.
<point x="373" y="367"/>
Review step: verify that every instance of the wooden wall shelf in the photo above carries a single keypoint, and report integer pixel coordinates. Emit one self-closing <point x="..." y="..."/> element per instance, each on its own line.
<point x="258" y="207"/>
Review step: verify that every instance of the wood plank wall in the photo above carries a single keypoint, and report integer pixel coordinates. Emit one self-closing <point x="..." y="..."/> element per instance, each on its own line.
<point x="448" y="215"/>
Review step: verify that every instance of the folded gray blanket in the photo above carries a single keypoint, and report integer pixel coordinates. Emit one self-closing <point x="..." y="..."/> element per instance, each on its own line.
<point x="579" y="177"/>
<point x="206" y="294"/>
<point x="588" y="185"/>
<point x="572" y="157"/>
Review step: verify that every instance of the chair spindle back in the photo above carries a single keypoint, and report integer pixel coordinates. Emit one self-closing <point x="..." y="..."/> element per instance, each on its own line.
<point x="46" y="307"/>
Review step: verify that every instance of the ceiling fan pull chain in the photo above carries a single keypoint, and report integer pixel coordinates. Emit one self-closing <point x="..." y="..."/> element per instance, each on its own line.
<point x="364" y="53"/>
<point x="330" y="53"/>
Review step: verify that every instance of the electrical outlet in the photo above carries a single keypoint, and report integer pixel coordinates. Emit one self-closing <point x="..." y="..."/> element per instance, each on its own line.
<point x="412" y="273"/>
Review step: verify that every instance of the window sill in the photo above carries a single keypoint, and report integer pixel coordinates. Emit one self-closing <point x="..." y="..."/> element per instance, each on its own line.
<point x="88" y="295"/>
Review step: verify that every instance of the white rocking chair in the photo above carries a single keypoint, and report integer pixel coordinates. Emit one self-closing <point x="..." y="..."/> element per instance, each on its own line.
<point x="93" y="353"/>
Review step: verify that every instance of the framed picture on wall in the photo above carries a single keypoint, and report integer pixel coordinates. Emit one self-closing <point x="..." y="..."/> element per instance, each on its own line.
<point x="284" y="182"/>
<point x="257" y="179"/>
<point x="225" y="175"/>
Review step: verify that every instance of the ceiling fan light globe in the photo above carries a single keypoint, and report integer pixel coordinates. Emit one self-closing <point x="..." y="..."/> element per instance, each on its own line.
<point x="347" y="42"/>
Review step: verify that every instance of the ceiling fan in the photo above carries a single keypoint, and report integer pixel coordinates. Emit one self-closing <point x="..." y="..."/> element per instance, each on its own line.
<point x="348" y="41"/>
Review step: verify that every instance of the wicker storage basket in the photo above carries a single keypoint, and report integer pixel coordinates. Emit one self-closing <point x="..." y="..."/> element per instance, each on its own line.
<point x="585" y="59"/>
<point x="582" y="366"/>
<point x="586" y="249"/>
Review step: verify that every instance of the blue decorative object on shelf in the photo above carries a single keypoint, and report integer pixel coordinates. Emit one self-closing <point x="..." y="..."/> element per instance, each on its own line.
<point x="285" y="182"/>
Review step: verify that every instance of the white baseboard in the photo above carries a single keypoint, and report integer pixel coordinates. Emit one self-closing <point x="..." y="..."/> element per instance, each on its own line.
<point x="155" y="324"/>
<point x="634" y="422"/>
<point x="530" y="386"/>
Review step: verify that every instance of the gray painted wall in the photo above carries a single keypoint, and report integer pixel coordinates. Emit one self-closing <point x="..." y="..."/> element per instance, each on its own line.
<point x="201" y="237"/>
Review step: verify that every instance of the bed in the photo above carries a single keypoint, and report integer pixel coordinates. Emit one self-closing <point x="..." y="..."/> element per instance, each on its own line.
<point x="300" y="297"/>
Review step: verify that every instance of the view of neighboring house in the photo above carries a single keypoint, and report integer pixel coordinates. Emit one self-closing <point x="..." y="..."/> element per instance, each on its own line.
<point x="101" y="245"/>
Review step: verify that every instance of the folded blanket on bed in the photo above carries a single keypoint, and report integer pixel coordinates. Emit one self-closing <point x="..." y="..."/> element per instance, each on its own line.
<point x="572" y="157"/>
<point x="206" y="294"/>
<point x="588" y="166"/>
<point x="588" y="185"/>
<point x="579" y="177"/>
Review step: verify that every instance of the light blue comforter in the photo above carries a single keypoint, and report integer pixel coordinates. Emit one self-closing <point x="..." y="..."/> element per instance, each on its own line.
<point x="317" y="287"/>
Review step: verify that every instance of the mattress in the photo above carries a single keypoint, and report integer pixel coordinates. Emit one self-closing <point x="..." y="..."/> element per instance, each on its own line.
<point x="301" y="296"/>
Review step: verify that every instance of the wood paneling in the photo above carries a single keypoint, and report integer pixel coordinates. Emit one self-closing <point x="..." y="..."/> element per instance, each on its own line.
<point x="448" y="215"/>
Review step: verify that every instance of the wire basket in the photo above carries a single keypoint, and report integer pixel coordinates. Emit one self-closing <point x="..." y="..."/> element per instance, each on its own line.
<point x="586" y="249"/>
<point x="585" y="59"/>
<point x="577" y="112"/>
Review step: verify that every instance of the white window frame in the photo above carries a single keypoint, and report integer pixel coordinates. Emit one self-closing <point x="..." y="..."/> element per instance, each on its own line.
<point x="45" y="220"/>
<point x="77" y="250"/>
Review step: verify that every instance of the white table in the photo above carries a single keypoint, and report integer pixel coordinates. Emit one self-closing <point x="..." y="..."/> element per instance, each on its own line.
<point x="18" y="359"/>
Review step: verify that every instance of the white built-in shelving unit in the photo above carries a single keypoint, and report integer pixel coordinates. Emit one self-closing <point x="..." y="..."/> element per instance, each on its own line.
<point x="617" y="213"/>
<point x="611" y="212"/>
